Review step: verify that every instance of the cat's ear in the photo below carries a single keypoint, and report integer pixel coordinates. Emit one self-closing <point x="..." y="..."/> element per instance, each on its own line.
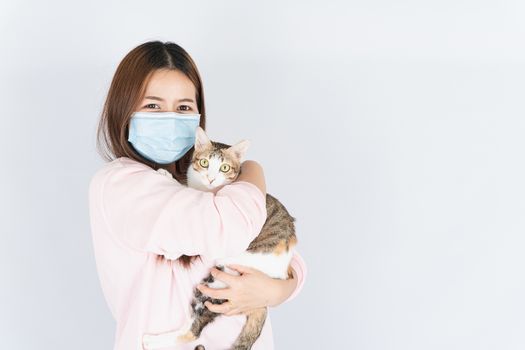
<point x="201" y="139"/>
<point x="240" y="148"/>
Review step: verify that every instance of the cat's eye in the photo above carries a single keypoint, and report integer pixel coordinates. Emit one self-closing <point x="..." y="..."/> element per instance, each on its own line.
<point x="225" y="168"/>
<point x="203" y="163"/>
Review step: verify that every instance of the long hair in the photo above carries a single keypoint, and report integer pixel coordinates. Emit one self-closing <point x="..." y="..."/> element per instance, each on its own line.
<point x="127" y="89"/>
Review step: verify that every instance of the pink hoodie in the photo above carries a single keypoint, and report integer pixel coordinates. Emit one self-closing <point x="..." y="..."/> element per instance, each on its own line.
<point x="136" y="214"/>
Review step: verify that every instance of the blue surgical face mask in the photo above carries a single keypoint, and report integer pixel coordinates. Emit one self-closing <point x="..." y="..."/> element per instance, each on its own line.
<point x="162" y="137"/>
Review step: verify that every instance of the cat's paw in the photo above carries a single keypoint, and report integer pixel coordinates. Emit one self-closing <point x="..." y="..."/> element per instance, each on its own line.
<point x="162" y="340"/>
<point x="165" y="173"/>
<point x="186" y="338"/>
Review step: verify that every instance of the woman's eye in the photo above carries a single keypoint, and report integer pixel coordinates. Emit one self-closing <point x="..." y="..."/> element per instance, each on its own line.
<point x="225" y="168"/>
<point x="152" y="104"/>
<point x="187" y="108"/>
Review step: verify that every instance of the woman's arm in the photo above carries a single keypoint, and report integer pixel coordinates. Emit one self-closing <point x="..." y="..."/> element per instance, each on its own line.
<point x="254" y="289"/>
<point x="147" y="212"/>
<point x="252" y="172"/>
<point x="284" y="289"/>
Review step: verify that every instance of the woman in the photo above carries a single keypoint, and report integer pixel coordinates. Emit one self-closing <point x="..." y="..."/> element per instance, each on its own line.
<point x="154" y="238"/>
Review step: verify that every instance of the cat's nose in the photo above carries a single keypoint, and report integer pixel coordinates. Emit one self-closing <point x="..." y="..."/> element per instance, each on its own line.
<point x="211" y="180"/>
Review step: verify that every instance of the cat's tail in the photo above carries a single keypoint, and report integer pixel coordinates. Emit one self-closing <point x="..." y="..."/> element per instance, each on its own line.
<point x="200" y="347"/>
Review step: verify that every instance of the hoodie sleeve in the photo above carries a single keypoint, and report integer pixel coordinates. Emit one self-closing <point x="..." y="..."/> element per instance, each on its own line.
<point x="300" y="269"/>
<point x="149" y="212"/>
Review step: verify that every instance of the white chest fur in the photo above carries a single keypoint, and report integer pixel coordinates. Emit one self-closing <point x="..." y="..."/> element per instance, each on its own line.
<point x="275" y="266"/>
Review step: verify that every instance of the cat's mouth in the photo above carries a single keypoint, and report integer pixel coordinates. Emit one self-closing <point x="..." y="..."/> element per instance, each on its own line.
<point x="214" y="187"/>
<point x="210" y="185"/>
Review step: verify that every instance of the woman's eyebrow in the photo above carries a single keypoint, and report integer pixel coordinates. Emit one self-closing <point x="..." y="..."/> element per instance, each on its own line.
<point x="161" y="99"/>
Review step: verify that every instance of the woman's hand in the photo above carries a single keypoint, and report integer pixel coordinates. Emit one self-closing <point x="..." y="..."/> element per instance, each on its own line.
<point x="252" y="289"/>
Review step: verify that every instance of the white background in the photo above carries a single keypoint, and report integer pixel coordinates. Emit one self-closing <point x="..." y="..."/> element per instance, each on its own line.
<point x="392" y="130"/>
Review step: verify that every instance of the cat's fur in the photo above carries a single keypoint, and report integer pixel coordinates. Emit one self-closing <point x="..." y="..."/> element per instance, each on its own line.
<point x="270" y="252"/>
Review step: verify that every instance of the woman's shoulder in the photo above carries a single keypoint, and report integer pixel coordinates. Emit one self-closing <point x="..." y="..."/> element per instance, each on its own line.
<point x="128" y="162"/>
<point x="125" y="162"/>
<point x="122" y="165"/>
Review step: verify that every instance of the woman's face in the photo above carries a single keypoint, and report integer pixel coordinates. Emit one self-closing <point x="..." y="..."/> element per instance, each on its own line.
<point x="169" y="91"/>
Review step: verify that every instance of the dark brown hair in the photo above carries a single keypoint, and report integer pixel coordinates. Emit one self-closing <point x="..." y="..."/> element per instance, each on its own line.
<point x="125" y="92"/>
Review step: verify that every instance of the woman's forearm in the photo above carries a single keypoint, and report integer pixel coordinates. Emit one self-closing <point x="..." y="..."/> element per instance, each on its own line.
<point x="283" y="289"/>
<point x="252" y="172"/>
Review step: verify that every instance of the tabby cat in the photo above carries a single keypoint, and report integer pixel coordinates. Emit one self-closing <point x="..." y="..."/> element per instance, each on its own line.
<point x="213" y="165"/>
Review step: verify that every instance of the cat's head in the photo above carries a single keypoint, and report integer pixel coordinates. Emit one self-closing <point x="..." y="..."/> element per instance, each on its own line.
<point x="214" y="164"/>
